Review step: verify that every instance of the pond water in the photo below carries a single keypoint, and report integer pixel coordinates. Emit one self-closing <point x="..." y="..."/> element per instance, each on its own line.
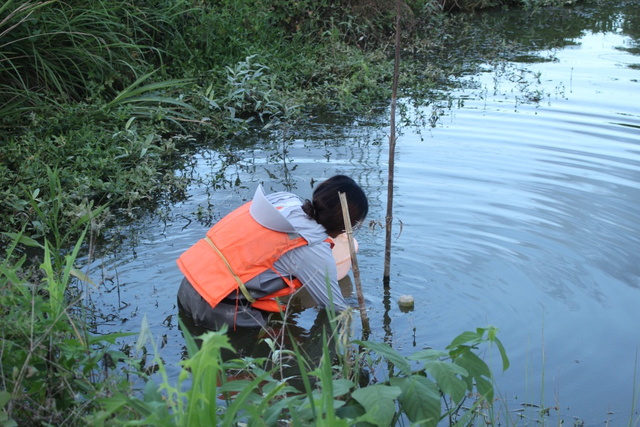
<point x="518" y="209"/>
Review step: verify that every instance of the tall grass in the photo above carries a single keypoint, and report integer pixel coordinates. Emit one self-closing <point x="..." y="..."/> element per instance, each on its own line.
<point x="52" y="368"/>
<point x="635" y="399"/>
<point x="60" y="49"/>
<point x="59" y="53"/>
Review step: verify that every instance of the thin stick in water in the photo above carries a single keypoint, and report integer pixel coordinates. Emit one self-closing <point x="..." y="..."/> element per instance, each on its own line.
<point x="392" y="150"/>
<point x="354" y="264"/>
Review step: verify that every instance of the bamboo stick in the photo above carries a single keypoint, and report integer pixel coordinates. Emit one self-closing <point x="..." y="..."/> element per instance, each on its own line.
<point x="392" y="151"/>
<point x="354" y="264"/>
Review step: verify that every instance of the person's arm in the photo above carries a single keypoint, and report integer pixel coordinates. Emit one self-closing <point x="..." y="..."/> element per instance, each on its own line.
<point x="312" y="265"/>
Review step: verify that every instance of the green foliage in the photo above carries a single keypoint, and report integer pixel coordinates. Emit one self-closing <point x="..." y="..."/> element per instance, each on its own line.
<point x="49" y="210"/>
<point x="379" y="404"/>
<point x="257" y="394"/>
<point x="254" y="394"/>
<point x="454" y="374"/>
<point x="122" y="165"/>
<point x="58" y="48"/>
<point x="52" y="368"/>
<point x="101" y="89"/>
<point x="146" y="103"/>
<point x="546" y="3"/>
<point x="468" y="5"/>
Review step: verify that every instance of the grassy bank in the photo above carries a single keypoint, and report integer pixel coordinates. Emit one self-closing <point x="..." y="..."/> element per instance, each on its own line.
<point x="111" y="93"/>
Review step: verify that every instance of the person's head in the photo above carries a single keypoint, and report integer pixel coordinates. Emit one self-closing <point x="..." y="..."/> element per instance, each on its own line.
<point x="326" y="208"/>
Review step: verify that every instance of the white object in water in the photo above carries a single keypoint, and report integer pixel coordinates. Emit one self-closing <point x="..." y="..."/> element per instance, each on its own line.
<point x="342" y="255"/>
<point x="405" y="301"/>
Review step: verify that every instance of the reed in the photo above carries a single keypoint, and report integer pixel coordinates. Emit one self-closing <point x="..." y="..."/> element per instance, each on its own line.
<point x="53" y="369"/>
<point x="634" y="398"/>
<point x="50" y="49"/>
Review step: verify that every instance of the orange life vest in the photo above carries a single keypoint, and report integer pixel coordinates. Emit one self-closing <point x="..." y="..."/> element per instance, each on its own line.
<point x="234" y="251"/>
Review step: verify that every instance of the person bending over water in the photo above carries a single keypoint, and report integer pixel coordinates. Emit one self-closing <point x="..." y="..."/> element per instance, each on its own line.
<point x="268" y="248"/>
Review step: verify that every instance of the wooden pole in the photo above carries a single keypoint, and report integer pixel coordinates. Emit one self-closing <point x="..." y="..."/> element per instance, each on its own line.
<point x="354" y="264"/>
<point x="392" y="151"/>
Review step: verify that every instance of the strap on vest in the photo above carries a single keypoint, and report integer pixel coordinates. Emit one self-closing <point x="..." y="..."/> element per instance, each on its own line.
<point x="243" y="289"/>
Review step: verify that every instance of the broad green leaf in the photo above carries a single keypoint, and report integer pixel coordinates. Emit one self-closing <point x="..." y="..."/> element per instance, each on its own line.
<point x="428" y="355"/>
<point x="6" y="422"/>
<point x="485" y="388"/>
<point x="244" y="397"/>
<point x="159" y="415"/>
<point x="492" y="331"/>
<point x="420" y="399"/>
<point x="366" y="420"/>
<point x="152" y="393"/>
<point x="144" y="408"/>
<point x="273" y="413"/>
<point x="110" y="338"/>
<point x="503" y="354"/>
<point x="273" y="387"/>
<point x="275" y="395"/>
<point x="389" y="353"/>
<point x="234" y="386"/>
<point x="332" y="423"/>
<point x="468" y="380"/>
<point x="445" y="375"/>
<point x="475" y="366"/>
<point x="144" y="334"/>
<point x="468" y="337"/>
<point x="80" y="275"/>
<point x="379" y="402"/>
<point x="111" y="405"/>
<point x="4" y="398"/>
<point x="25" y="240"/>
<point x="341" y="387"/>
<point x="306" y="408"/>
<point x="351" y="411"/>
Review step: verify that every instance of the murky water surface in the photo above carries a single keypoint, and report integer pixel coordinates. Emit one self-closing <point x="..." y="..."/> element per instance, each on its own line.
<point x="519" y="209"/>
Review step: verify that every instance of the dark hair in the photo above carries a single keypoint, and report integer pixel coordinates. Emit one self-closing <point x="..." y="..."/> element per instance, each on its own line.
<point x="326" y="208"/>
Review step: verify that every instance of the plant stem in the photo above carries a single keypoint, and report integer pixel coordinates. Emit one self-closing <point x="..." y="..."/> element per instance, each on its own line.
<point x="392" y="151"/>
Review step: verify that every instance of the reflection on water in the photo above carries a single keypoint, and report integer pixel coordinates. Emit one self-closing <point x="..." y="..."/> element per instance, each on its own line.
<point x="519" y="208"/>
